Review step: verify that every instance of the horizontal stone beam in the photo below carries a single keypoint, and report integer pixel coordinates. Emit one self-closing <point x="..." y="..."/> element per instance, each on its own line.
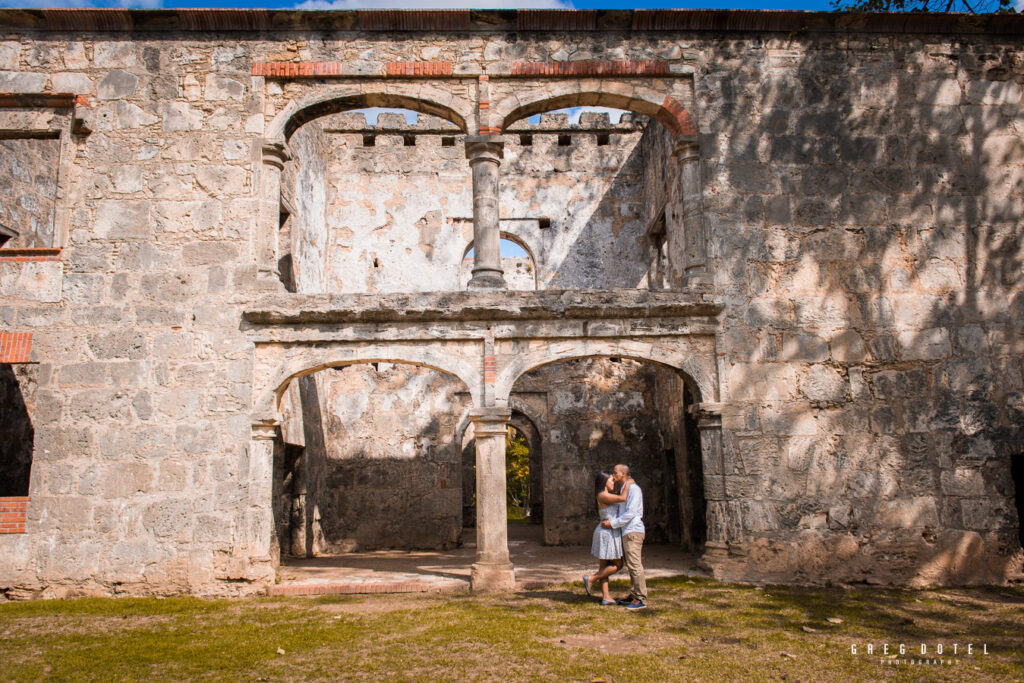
<point x="476" y="305"/>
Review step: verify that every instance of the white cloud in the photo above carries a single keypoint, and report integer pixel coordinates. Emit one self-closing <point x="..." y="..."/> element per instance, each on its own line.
<point x="434" y="4"/>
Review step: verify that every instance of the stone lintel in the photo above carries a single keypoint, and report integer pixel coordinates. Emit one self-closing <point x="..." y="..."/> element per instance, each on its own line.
<point x="479" y="305"/>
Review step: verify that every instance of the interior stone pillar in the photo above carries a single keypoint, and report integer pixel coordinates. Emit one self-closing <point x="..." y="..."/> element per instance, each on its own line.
<point x="256" y="544"/>
<point x="485" y="153"/>
<point x="492" y="569"/>
<point x="275" y="154"/>
<point x="709" y="423"/>
<point x="687" y="154"/>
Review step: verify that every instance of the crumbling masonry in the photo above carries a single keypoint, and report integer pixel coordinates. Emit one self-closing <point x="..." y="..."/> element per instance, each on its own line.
<point x="240" y="322"/>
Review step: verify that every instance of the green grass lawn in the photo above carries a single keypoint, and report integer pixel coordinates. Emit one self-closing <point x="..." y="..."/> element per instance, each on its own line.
<point x="695" y="629"/>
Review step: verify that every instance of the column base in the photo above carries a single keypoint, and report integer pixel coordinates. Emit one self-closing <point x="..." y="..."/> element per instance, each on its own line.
<point x="715" y="553"/>
<point x="489" y="576"/>
<point x="487" y="280"/>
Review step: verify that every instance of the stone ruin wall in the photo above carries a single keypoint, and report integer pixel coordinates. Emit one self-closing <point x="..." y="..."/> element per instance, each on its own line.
<point x="28" y="188"/>
<point x="863" y="195"/>
<point x="387" y="216"/>
<point x="864" y="212"/>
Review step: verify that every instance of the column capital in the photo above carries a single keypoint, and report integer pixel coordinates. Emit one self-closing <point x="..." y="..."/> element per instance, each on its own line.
<point x="275" y="153"/>
<point x="490" y="421"/>
<point x="686" y="148"/>
<point x="265" y="429"/>
<point x="485" y="148"/>
<point x="708" y="414"/>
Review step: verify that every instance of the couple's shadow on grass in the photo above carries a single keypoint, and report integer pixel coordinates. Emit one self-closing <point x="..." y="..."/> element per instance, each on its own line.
<point x="570" y="596"/>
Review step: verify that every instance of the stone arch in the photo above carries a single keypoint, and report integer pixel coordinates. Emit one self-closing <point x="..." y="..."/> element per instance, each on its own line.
<point x="307" y="361"/>
<point x="619" y="95"/>
<point x="515" y="239"/>
<point x="697" y="370"/>
<point x="423" y="99"/>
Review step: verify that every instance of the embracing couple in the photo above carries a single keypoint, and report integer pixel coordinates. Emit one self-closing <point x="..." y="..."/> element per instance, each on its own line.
<point x="620" y="535"/>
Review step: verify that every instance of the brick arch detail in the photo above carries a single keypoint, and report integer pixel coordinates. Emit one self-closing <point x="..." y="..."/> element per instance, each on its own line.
<point x="431" y="100"/>
<point x="669" y="111"/>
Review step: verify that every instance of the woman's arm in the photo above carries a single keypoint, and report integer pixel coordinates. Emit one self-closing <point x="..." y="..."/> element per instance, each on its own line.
<point x="609" y="498"/>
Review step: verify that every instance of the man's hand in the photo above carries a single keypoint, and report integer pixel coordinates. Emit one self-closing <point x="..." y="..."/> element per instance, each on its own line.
<point x="606" y="524"/>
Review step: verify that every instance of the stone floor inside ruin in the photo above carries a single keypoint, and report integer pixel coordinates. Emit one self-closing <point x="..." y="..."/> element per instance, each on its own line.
<point x="403" y="571"/>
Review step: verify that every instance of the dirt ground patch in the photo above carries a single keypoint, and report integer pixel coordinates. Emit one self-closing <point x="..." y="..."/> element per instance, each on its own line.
<point x="608" y="643"/>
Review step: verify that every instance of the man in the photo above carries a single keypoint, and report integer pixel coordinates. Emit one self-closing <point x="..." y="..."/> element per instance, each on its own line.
<point x="633" y="532"/>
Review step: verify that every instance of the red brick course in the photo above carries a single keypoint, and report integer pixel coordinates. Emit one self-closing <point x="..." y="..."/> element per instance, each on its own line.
<point x="15" y="348"/>
<point x="584" y="68"/>
<point x="419" y="69"/>
<point x="39" y="254"/>
<point x="297" y="69"/>
<point x="13" y="511"/>
<point x="57" y="100"/>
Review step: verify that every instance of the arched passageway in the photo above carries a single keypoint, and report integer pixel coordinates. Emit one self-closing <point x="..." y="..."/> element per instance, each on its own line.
<point x="367" y="459"/>
<point x="597" y="412"/>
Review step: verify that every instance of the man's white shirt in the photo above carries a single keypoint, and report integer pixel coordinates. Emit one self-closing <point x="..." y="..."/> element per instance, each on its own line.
<point x="630" y="519"/>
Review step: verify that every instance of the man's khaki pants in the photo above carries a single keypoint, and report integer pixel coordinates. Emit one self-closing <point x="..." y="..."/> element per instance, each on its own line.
<point x="632" y="544"/>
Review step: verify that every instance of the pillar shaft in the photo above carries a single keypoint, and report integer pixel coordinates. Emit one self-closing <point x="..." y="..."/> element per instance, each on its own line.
<point x="275" y="154"/>
<point x="492" y="569"/>
<point x="485" y="153"/>
<point x="687" y="154"/>
<point x="256" y="550"/>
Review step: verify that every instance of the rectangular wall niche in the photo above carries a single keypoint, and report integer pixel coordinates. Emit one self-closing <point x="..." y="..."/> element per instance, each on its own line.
<point x="28" y="191"/>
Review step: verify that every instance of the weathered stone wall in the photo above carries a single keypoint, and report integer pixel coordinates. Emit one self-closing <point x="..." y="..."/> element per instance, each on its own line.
<point x="397" y="216"/>
<point x="864" y="215"/>
<point x="28" y="187"/>
<point x="863" y="195"/>
<point x="392" y="468"/>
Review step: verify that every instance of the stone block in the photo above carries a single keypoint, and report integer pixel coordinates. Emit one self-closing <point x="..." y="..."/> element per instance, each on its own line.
<point x="803" y="346"/>
<point x="22" y="82"/>
<point x="823" y="383"/>
<point x="907" y="513"/>
<point x="122" y="219"/>
<point x="848" y="347"/>
<point x="762" y="381"/>
<point x="117" y="85"/>
<point x="925" y="344"/>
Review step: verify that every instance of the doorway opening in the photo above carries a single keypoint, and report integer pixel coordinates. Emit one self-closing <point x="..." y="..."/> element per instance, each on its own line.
<point x="1017" y="473"/>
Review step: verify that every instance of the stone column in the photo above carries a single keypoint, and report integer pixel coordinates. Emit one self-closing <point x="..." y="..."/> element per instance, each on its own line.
<point x="709" y="423"/>
<point x="485" y="153"/>
<point x="275" y="154"/>
<point x="687" y="154"/>
<point x="492" y="569"/>
<point x="256" y="543"/>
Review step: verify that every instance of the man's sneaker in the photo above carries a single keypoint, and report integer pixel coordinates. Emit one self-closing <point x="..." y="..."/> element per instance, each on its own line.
<point x="636" y="604"/>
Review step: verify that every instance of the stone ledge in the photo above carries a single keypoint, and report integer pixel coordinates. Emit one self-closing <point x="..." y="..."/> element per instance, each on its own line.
<point x="166" y="21"/>
<point x="479" y="305"/>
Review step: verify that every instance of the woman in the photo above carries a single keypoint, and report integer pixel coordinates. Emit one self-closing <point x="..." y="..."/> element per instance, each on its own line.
<point x="607" y="543"/>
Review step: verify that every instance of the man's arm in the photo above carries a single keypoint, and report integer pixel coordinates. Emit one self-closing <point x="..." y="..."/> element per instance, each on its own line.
<point x="632" y="511"/>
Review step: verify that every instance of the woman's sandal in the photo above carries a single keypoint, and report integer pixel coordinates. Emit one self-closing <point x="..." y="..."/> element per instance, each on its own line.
<point x="586" y="584"/>
<point x="607" y="602"/>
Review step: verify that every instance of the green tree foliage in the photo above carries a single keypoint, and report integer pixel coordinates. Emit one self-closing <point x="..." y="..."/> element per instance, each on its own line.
<point x="970" y="6"/>
<point x="517" y="474"/>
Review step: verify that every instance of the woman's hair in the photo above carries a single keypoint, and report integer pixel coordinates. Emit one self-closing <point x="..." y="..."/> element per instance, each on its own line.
<point x="600" y="481"/>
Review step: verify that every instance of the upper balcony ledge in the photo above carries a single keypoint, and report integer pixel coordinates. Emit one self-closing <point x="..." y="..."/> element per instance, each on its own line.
<point x="577" y="304"/>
